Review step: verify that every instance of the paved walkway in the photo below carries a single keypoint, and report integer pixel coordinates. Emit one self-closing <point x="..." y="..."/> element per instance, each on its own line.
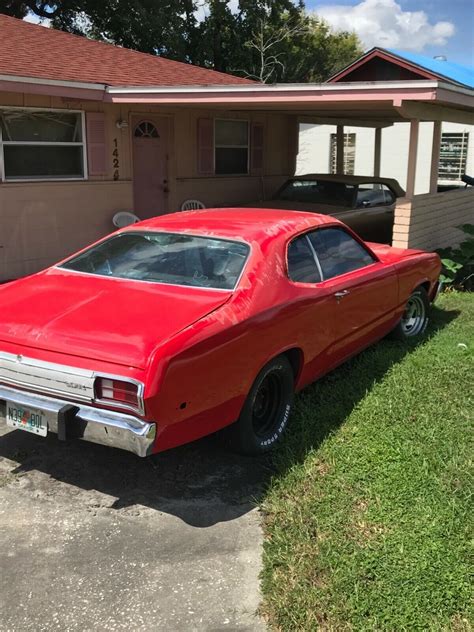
<point x="98" y="539"/>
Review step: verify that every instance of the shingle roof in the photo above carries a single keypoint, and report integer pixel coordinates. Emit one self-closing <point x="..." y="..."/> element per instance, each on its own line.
<point x="30" y="50"/>
<point x="449" y="70"/>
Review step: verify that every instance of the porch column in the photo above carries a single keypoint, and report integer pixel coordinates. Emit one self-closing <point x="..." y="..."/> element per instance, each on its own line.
<point x="377" y="151"/>
<point x="435" y="149"/>
<point x="340" y="150"/>
<point x="412" y="154"/>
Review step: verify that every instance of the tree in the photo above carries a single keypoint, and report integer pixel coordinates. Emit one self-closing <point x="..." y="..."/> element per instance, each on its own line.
<point x="268" y="40"/>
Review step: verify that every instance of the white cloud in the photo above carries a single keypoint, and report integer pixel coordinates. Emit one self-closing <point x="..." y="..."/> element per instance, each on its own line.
<point x="202" y="10"/>
<point x="384" y="23"/>
<point x="34" y="19"/>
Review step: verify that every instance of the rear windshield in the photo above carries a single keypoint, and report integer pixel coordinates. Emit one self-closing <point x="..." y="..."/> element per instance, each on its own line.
<point x="177" y="259"/>
<point x="317" y="192"/>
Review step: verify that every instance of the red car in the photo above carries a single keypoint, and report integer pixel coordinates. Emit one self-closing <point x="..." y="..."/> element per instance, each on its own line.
<point x="178" y="326"/>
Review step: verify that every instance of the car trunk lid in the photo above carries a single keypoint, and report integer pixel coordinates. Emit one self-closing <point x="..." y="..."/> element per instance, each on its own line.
<point x="89" y="316"/>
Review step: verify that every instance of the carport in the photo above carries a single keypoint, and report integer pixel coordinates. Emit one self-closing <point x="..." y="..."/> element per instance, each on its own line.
<point x="426" y="220"/>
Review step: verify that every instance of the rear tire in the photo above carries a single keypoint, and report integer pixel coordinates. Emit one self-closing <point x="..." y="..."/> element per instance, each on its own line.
<point x="265" y="414"/>
<point x="415" y="319"/>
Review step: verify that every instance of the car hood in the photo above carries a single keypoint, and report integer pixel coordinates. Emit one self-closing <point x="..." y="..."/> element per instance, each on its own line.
<point x="113" y="320"/>
<point x="324" y="209"/>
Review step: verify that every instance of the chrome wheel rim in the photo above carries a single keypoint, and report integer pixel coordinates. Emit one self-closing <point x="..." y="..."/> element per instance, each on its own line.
<point x="414" y="316"/>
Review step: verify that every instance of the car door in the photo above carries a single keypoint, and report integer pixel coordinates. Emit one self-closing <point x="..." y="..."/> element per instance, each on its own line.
<point x="310" y="318"/>
<point x="364" y="291"/>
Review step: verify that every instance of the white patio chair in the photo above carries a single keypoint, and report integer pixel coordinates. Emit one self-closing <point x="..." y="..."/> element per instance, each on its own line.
<point x="192" y="205"/>
<point x="124" y="218"/>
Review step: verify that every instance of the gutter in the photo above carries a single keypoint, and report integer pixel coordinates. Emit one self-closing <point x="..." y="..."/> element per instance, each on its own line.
<point x="271" y="88"/>
<point x="54" y="82"/>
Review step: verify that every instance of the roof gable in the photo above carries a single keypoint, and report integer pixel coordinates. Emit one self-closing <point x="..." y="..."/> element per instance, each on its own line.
<point x="31" y="50"/>
<point x="380" y="64"/>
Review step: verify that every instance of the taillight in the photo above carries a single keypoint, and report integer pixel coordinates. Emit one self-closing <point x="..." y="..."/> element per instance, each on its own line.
<point x="117" y="391"/>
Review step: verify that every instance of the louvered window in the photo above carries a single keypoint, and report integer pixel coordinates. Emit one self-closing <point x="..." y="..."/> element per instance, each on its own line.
<point x="349" y="154"/>
<point x="41" y="144"/>
<point x="453" y="155"/>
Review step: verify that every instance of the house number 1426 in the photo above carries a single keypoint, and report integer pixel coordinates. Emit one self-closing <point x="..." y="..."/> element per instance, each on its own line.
<point x="115" y="160"/>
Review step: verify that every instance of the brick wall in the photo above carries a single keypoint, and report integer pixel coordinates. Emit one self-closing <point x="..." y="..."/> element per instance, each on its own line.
<point x="429" y="221"/>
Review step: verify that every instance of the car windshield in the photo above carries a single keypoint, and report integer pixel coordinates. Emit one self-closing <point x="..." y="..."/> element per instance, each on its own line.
<point x="315" y="191"/>
<point x="177" y="259"/>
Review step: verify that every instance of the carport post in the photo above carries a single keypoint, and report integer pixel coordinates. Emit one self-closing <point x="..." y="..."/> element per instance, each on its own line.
<point x="340" y="150"/>
<point x="435" y="148"/>
<point x="377" y="151"/>
<point x="412" y="155"/>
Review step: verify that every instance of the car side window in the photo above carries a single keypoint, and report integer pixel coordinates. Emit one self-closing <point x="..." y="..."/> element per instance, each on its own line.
<point x="302" y="266"/>
<point x="374" y="194"/>
<point x="338" y="252"/>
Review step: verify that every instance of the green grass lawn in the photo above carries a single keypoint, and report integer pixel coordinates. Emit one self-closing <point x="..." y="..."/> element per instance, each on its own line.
<point x="369" y="513"/>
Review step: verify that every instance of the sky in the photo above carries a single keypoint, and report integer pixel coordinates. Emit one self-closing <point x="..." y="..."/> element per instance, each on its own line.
<point x="430" y="27"/>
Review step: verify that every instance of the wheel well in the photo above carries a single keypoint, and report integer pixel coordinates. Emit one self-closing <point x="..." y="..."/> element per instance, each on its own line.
<point x="295" y="358"/>
<point x="426" y="286"/>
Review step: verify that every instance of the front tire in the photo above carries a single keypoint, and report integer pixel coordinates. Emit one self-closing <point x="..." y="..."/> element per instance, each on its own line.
<point x="414" y="320"/>
<point x="265" y="414"/>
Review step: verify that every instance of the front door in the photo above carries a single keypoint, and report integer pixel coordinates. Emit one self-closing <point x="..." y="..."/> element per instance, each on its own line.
<point x="150" y="167"/>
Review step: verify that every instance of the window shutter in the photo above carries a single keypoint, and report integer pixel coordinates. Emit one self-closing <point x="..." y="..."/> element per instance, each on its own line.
<point x="257" y="140"/>
<point x="205" y="143"/>
<point x="96" y="143"/>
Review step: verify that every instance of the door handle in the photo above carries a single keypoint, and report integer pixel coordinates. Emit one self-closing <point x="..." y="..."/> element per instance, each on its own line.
<point x="341" y="294"/>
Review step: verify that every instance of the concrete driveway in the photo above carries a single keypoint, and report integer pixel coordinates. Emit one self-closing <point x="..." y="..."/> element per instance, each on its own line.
<point x="97" y="539"/>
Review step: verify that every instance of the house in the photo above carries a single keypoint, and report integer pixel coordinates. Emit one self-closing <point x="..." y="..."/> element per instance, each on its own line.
<point x="317" y="146"/>
<point x="88" y="129"/>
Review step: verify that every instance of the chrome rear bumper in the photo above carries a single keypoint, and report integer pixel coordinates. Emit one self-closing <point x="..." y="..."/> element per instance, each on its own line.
<point x="88" y="423"/>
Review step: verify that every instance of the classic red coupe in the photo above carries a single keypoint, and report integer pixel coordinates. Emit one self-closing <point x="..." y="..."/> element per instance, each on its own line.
<point x="178" y="326"/>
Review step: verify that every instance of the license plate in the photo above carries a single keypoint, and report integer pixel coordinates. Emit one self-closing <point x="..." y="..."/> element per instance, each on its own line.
<point x="28" y="419"/>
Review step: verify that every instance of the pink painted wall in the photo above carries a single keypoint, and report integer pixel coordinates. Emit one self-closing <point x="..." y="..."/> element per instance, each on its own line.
<point x="41" y="222"/>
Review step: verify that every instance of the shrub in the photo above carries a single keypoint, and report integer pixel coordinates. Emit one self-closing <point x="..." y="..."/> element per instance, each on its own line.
<point x="458" y="262"/>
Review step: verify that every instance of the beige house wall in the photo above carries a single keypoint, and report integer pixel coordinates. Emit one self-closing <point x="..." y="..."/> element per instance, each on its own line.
<point x="42" y="222"/>
<point x="429" y="221"/>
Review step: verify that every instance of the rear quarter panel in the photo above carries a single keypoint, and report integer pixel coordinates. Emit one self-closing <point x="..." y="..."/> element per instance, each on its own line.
<point x="413" y="271"/>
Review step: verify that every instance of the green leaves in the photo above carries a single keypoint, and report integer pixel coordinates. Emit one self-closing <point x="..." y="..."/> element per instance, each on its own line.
<point x="266" y="40"/>
<point x="458" y="262"/>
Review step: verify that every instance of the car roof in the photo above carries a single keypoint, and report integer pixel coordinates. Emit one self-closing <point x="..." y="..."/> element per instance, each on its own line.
<point x="247" y="224"/>
<point x="332" y="177"/>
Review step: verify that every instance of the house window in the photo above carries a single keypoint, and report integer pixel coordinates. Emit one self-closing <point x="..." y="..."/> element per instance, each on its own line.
<point x="231" y="147"/>
<point x="349" y="154"/>
<point x="41" y="145"/>
<point x="453" y="155"/>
